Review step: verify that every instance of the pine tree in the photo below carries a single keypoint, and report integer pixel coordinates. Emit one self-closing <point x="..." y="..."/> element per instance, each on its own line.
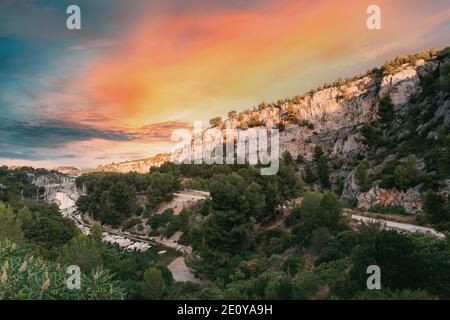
<point x="323" y="172"/>
<point x="321" y="162"/>
<point x="308" y="174"/>
<point x="371" y="136"/>
<point x="362" y="179"/>
<point x="317" y="154"/>
<point x="386" y="110"/>
<point x="287" y="158"/>
<point x="436" y="208"/>
<point x="153" y="285"/>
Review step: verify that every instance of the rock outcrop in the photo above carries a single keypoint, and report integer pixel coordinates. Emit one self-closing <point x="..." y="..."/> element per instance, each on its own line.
<point x="330" y="117"/>
<point x="139" y="166"/>
<point x="410" y="200"/>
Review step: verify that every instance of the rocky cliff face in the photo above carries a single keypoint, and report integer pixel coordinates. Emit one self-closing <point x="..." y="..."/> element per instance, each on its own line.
<point x="72" y="171"/>
<point x="139" y="166"/>
<point x="330" y="117"/>
<point x="50" y="178"/>
<point x="411" y="200"/>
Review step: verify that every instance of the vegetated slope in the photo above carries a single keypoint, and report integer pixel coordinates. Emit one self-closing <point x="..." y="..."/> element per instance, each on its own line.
<point x="316" y="253"/>
<point x="24" y="276"/>
<point x="367" y="125"/>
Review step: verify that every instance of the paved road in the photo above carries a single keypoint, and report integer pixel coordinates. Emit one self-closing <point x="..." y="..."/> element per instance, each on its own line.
<point x="411" y="228"/>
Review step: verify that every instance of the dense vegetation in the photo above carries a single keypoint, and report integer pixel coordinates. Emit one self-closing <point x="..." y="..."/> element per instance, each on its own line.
<point x="23" y="276"/>
<point x="35" y="224"/>
<point x="315" y="255"/>
<point x="256" y="237"/>
<point x="417" y="144"/>
<point x="37" y="244"/>
<point x="112" y="198"/>
<point x="241" y="246"/>
<point x="33" y="235"/>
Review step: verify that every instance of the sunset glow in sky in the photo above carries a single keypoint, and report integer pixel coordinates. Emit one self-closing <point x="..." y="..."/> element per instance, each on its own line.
<point x="115" y="90"/>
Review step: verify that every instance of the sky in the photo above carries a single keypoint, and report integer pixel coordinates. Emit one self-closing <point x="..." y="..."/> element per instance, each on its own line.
<point x="137" y="70"/>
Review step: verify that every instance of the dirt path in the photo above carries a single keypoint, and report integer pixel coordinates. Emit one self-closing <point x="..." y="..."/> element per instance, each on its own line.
<point x="182" y="200"/>
<point x="181" y="272"/>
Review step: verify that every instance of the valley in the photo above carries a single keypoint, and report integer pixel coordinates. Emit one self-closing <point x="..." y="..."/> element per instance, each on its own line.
<point x="363" y="180"/>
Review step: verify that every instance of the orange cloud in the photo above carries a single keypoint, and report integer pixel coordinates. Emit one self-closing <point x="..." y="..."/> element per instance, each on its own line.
<point x="194" y="65"/>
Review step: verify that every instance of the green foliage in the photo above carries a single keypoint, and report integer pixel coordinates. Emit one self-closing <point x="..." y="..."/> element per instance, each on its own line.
<point x="161" y="187"/>
<point x="339" y="247"/>
<point x="371" y="135"/>
<point x="10" y="225"/>
<point x="395" y="253"/>
<point x="161" y="220"/>
<point x="226" y="232"/>
<point x="46" y="230"/>
<point x="362" y="179"/>
<point x="26" y="219"/>
<point x="279" y="287"/>
<point x="387" y="294"/>
<point x="17" y="184"/>
<point x="317" y="154"/>
<point x="167" y="223"/>
<point x="112" y="198"/>
<point x="386" y="110"/>
<point x="444" y="81"/>
<point x="321" y="162"/>
<point x="308" y="174"/>
<point x="407" y="174"/>
<point x="153" y="284"/>
<point x="290" y="184"/>
<point x="436" y="208"/>
<point x="96" y="232"/>
<point x="317" y="211"/>
<point x="389" y="210"/>
<point x="293" y="264"/>
<point x="300" y="159"/>
<point x="24" y="276"/>
<point x="83" y="251"/>
<point x="274" y="241"/>
<point x="320" y="239"/>
<point x="42" y="228"/>
<point x="287" y="158"/>
<point x="390" y="66"/>
<point x="320" y="282"/>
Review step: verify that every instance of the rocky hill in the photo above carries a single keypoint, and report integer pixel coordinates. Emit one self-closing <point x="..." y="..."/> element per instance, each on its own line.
<point x="333" y="117"/>
<point x="139" y="166"/>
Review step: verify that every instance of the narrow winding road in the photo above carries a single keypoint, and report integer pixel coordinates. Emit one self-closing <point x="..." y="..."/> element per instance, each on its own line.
<point x="405" y="227"/>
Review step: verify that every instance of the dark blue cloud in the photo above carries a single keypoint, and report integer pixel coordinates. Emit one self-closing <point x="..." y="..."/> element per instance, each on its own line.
<point x="40" y="135"/>
<point x="33" y="156"/>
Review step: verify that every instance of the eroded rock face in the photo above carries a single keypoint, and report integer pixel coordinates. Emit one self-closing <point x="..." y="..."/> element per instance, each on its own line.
<point x="47" y="179"/>
<point x="401" y="85"/>
<point x="139" y="166"/>
<point x="410" y="200"/>
<point x="351" y="189"/>
<point x="329" y="117"/>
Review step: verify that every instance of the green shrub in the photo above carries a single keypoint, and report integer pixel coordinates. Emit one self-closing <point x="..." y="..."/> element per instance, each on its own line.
<point x="26" y="277"/>
<point x="389" y="210"/>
